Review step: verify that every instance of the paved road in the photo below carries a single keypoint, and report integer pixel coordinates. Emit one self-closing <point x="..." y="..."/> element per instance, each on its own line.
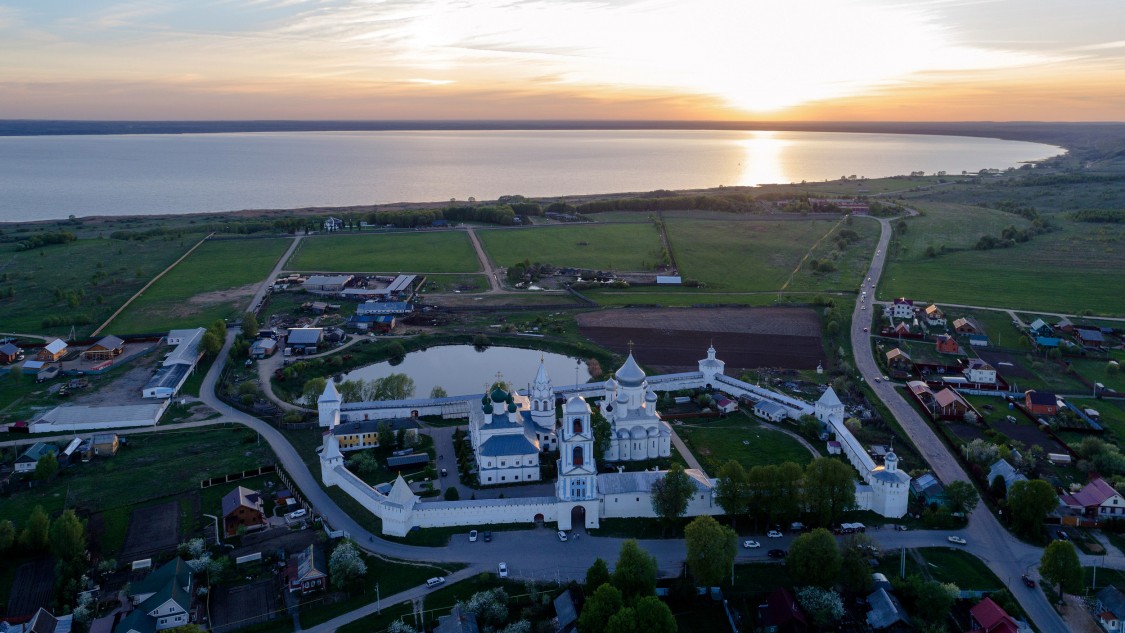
<point x="1005" y="555"/>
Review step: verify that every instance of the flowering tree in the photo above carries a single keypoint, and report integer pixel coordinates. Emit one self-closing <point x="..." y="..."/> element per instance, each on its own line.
<point x="824" y="605"/>
<point x="346" y="566"/>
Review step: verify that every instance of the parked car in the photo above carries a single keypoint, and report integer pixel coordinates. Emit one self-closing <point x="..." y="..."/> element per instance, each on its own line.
<point x="958" y="540"/>
<point x="435" y="581"/>
<point x="562" y="536"/>
<point x="503" y="570"/>
<point x="773" y="534"/>
<point x="472" y="536"/>
<point x="864" y="329"/>
<point x="901" y="528"/>
<point x="297" y="514"/>
<point x="487" y="536"/>
<point x="1028" y="581"/>
<point x="877" y="379"/>
<point x="776" y="553"/>
<point x="1062" y="535"/>
<point x="751" y="544"/>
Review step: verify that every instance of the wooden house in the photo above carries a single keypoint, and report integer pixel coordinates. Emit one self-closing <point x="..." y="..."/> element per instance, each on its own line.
<point x="947" y="344"/>
<point x="53" y="351"/>
<point x="108" y="348"/>
<point x="242" y="507"/>
<point x="964" y="326"/>
<point x="1040" y="402"/>
<point x="9" y="353"/>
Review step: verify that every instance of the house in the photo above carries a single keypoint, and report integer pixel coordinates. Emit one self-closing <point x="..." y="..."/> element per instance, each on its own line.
<point x="332" y="224"/>
<point x="725" y="404"/>
<point x="354" y="436"/>
<point x="108" y="348"/>
<point x="1092" y="338"/>
<point x="902" y="308"/>
<point x="242" y="507"/>
<point x="1110" y="606"/>
<point x="53" y="351"/>
<point x="566" y="614"/>
<point x="781" y="614"/>
<point x="104" y="444"/>
<point x="1065" y="325"/>
<point x="1005" y="471"/>
<point x="770" y="410"/>
<point x="964" y="326"/>
<point x="950" y="404"/>
<point x="263" y="348"/>
<point x="902" y="328"/>
<point x="9" y="353"/>
<point x="162" y="600"/>
<point x="978" y="340"/>
<point x="933" y="316"/>
<point x="1040" y="402"/>
<point x="1039" y="327"/>
<point x="42" y="622"/>
<point x="326" y="283"/>
<point x="899" y="363"/>
<point x="458" y="621"/>
<point x="988" y="617"/>
<point x="305" y="339"/>
<point x="26" y="462"/>
<point x="928" y="489"/>
<point x="307" y="570"/>
<point x="947" y="344"/>
<point x="980" y="372"/>
<point x="1096" y="498"/>
<point x="886" y="612"/>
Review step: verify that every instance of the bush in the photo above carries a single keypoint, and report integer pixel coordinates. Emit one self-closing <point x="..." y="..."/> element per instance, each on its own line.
<point x="451" y="494"/>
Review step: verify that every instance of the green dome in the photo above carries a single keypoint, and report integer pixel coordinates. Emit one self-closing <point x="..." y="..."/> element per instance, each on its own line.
<point x="488" y="408"/>
<point x="511" y="407"/>
<point x="499" y="395"/>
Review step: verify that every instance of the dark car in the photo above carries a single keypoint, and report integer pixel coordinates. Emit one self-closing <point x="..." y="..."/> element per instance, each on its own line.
<point x="776" y="553"/>
<point x="488" y="537"/>
<point x="1062" y="536"/>
<point x="1028" y="581"/>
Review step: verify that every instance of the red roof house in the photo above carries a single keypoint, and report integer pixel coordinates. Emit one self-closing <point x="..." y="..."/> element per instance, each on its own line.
<point x="1040" y="402"/>
<point x="947" y="345"/>
<point x="987" y="616"/>
<point x="1096" y="498"/>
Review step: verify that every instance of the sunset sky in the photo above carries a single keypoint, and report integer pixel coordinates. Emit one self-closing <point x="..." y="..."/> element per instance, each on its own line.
<point x="1050" y="60"/>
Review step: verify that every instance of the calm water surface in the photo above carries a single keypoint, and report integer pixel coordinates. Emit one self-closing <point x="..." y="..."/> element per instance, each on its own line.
<point x="44" y="177"/>
<point x="460" y="369"/>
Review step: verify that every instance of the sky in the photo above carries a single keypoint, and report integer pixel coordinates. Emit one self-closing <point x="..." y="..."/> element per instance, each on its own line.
<point x="873" y="60"/>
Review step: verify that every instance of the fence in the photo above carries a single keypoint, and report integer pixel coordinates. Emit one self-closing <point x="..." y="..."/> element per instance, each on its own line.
<point x="246" y="474"/>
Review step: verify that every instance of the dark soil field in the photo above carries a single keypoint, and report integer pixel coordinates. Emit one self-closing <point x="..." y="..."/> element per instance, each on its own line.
<point x="1029" y="434"/>
<point x="34" y="587"/>
<point x="236" y="607"/>
<point x="1007" y="364"/>
<point x="674" y="339"/>
<point x="152" y="530"/>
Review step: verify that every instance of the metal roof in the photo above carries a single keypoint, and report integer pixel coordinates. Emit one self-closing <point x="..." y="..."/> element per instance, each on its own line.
<point x="168" y="377"/>
<point x="624" y="483"/>
<point x="305" y="335"/>
<point x="501" y="445"/>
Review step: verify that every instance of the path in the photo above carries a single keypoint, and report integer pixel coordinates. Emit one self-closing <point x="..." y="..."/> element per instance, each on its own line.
<point x="34" y="336"/>
<point x="803" y="441"/>
<point x="485" y="264"/>
<point x="1006" y="556"/>
<point x="688" y="456"/>
<point x="256" y="300"/>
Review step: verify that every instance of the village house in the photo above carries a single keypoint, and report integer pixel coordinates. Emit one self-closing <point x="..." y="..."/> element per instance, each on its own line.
<point x="332" y="224"/>
<point x="108" y="348"/>
<point x="950" y="405"/>
<point x="781" y="614"/>
<point x="26" y="462"/>
<point x="964" y="326"/>
<point x="104" y="444"/>
<point x="162" y="600"/>
<point x="1096" y="498"/>
<point x="263" y="348"/>
<point x="458" y="621"/>
<point x="1089" y="337"/>
<point x="902" y="328"/>
<point x="988" y="617"/>
<point x="933" y="316"/>
<point x="946" y="344"/>
<point x="1110" y="607"/>
<point x="1005" y="471"/>
<point x="899" y="364"/>
<point x="354" y="436"/>
<point x="1065" y="324"/>
<point x="1047" y="341"/>
<point x="1039" y="327"/>
<point x="307" y="570"/>
<point x="980" y="372"/>
<point x="42" y="622"/>
<point x="53" y="351"/>
<point x="769" y="410"/>
<point x="9" y="353"/>
<point x="902" y="308"/>
<point x="1040" y="402"/>
<point x="725" y="404"/>
<point x="305" y="339"/>
<point x="886" y="612"/>
<point x="928" y="489"/>
<point x="242" y="508"/>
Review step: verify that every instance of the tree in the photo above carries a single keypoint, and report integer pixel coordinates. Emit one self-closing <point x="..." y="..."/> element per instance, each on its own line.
<point x="599" y="607"/>
<point x="653" y="616"/>
<point x="1030" y="502"/>
<point x="391" y="387"/>
<point x="1060" y="566"/>
<point x="829" y="489"/>
<point x="491" y="606"/>
<point x="250" y="325"/>
<point x="34" y="536"/>
<point x="68" y="537"/>
<point x="624" y="621"/>
<point x="7" y="535"/>
<point x="346" y="566"/>
<point x="711" y="549"/>
<point x="210" y="343"/>
<point x="824" y="605"/>
<point x="999" y="488"/>
<point x="596" y="576"/>
<point x="603" y="434"/>
<point x="635" y="573"/>
<point x="855" y="573"/>
<point x="398" y="626"/>
<point x="46" y="467"/>
<point x="312" y="390"/>
<point x="732" y="491"/>
<point x="671" y="493"/>
<point x="962" y="496"/>
<point x="814" y="559"/>
<point x="809" y="426"/>
<point x="451" y="494"/>
<point x="438" y="392"/>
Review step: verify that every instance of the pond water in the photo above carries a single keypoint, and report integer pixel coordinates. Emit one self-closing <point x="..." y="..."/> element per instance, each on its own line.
<point x="461" y="369"/>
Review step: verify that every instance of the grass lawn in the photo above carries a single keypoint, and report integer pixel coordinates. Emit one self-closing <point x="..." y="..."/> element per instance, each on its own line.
<point x="996" y="325"/>
<point x="1112" y="414"/>
<point x="625" y="247"/>
<point x="415" y="252"/>
<point x="1106" y="577"/>
<point x="454" y="283"/>
<point x="761" y="578"/>
<point x="715" y="443"/>
<point x="1097" y="370"/>
<point x="102" y="274"/>
<point x="955" y="226"/>
<point x="944" y="564"/>
<point x="851" y="264"/>
<point x="215" y="282"/>
<point x="741" y="255"/>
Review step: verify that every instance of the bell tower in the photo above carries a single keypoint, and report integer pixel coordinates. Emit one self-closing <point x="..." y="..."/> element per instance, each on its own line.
<point x="577" y="469"/>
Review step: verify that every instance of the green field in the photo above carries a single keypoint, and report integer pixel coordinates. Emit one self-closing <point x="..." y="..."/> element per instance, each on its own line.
<point x="214" y="282"/>
<point x="684" y="297"/>
<point x="421" y="252"/>
<point x="714" y="443"/>
<point x="852" y="264"/>
<point x="622" y="247"/>
<point x="82" y="282"/>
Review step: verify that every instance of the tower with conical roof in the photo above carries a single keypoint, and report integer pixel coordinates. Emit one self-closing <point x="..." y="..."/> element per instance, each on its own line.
<point x="328" y="406"/>
<point x="577" y="469"/>
<point x="542" y="396"/>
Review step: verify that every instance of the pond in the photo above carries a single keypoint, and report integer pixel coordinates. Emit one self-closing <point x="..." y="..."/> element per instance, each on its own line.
<point x="461" y="369"/>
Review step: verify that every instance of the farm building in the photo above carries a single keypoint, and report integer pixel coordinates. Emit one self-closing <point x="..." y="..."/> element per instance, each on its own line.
<point x="372" y="322"/>
<point x="162" y="600"/>
<point x="384" y="307"/>
<point x="1040" y="402"/>
<point x="26" y="462"/>
<point x="899" y="363"/>
<point x="1096" y="498"/>
<point x="305" y="339"/>
<point x="9" y="353"/>
<point x="166" y="382"/>
<point x="326" y="283"/>
<point x="946" y="344"/>
<point x="902" y="308"/>
<point x="979" y="340"/>
<point x="354" y="436"/>
<point x="769" y="410"/>
<point x="1039" y="327"/>
<point x="108" y="348"/>
<point x="1005" y="471"/>
<point x="964" y="326"/>
<point x="80" y="417"/>
<point x="104" y="444"/>
<point x="186" y="350"/>
<point x="933" y="316"/>
<point x="668" y="280"/>
<point x="307" y="570"/>
<point x="980" y="372"/>
<point x="263" y="348"/>
<point x="1092" y="338"/>
<point x="53" y="351"/>
<point x="949" y="404"/>
<point x="242" y="507"/>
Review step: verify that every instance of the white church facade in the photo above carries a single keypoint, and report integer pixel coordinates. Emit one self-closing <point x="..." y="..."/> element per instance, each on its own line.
<point x="510" y="432"/>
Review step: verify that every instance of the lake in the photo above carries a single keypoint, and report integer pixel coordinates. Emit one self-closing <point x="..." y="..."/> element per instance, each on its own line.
<point x="461" y="369"/>
<point x="49" y="177"/>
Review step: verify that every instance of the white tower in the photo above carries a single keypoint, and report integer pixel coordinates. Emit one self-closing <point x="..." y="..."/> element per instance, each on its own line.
<point x="577" y="469"/>
<point x="542" y="397"/>
<point x="711" y="366"/>
<point x="328" y="406"/>
<point x="829" y="406"/>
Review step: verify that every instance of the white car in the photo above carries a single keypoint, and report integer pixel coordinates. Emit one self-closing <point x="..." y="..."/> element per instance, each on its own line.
<point x="503" y="570"/>
<point x="298" y="514"/>
<point x="751" y="544"/>
<point x="472" y="536"/>
<point x="562" y="536"/>
<point x="435" y="582"/>
<point x="773" y="534"/>
<point x="958" y="540"/>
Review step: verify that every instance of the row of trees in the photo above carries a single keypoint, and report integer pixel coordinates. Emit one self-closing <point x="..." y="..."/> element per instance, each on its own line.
<point x="625" y="601"/>
<point x="64" y="539"/>
<point x="820" y="493"/>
